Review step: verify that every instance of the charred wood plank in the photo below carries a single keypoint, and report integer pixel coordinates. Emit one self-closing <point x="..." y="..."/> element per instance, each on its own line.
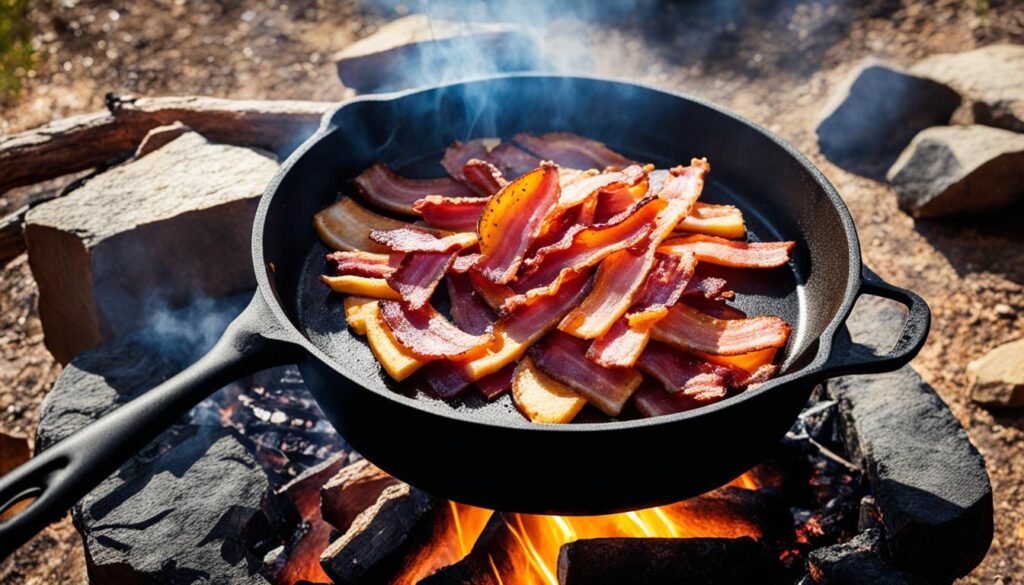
<point x="83" y="142"/>
<point x="694" y="561"/>
<point x="351" y="491"/>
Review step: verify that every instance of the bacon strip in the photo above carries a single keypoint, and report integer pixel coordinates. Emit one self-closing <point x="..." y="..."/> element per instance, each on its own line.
<point x="689" y="329"/>
<point x="582" y="247"/>
<point x="511" y="160"/>
<point x="463" y="263"/>
<point x="415" y="240"/>
<point x="362" y="264"/>
<point x="498" y="383"/>
<point x="468" y="310"/>
<point x="724" y="221"/>
<point x="707" y="287"/>
<point x="586" y="186"/>
<point x="458" y="214"/>
<point x="483" y="178"/>
<point x="627" y="338"/>
<point x="621" y="274"/>
<point x="419" y="274"/>
<point x="563" y="357"/>
<point x="513" y="219"/>
<point x="427" y="334"/>
<point x="652" y="399"/>
<point x="493" y="294"/>
<point x="679" y="372"/>
<point x="346" y="225"/>
<point x="386" y="190"/>
<point x="459" y="153"/>
<point x="715" y="250"/>
<point x="572" y="150"/>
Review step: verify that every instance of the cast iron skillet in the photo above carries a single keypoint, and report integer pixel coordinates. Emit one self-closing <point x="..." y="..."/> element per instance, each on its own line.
<point x="488" y="454"/>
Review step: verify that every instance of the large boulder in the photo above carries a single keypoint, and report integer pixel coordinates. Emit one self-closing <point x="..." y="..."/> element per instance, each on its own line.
<point x="948" y="170"/>
<point x="161" y="230"/>
<point x="991" y="79"/>
<point x="877" y="112"/>
<point x="997" y="378"/>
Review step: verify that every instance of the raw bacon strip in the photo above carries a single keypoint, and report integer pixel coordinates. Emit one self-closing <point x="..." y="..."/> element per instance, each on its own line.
<point x="415" y="240"/>
<point x="483" y="178"/>
<point x="563" y="357"/>
<point x="419" y="274"/>
<point x="724" y="221"/>
<point x="468" y="310"/>
<point x="581" y="248"/>
<point x="386" y="190"/>
<point x="689" y="329"/>
<point x="496" y="384"/>
<point x="459" y="153"/>
<point x="679" y="372"/>
<point x="621" y="274"/>
<point x="427" y="334"/>
<point x="627" y="338"/>
<point x="722" y="252"/>
<point x="362" y="264"/>
<point x="518" y="331"/>
<point x="511" y="160"/>
<point x="458" y="214"/>
<point x="572" y="150"/>
<point x="463" y="263"/>
<point x="652" y="399"/>
<point x="346" y="225"/>
<point x="513" y="219"/>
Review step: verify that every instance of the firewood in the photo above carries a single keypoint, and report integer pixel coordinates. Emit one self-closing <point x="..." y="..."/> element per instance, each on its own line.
<point x="351" y="491"/>
<point x="494" y="550"/>
<point x="90" y="140"/>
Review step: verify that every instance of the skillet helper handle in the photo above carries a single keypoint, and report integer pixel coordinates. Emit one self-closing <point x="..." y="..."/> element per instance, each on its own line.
<point x="910" y="341"/>
<point x="40" y="491"/>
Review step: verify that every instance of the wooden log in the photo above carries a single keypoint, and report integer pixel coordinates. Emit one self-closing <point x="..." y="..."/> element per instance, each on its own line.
<point x="87" y="141"/>
<point x="353" y="489"/>
<point x="494" y="556"/>
<point x="694" y="561"/>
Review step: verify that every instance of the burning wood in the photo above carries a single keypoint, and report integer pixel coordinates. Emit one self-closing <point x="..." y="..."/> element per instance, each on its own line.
<point x="351" y="491"/>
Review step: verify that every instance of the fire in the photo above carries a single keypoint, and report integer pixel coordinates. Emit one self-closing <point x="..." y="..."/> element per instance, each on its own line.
<point x="525" y="550"/>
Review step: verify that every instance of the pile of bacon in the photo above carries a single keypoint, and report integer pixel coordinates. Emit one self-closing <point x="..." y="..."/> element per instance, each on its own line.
<point x="566" y="286"/>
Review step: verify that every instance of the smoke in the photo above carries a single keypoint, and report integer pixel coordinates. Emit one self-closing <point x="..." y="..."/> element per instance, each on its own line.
<point x="183" y="335"/>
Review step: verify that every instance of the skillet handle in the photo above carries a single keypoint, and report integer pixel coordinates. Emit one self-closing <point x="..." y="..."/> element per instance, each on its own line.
<point x="57" y="478"/>
<point x="910" y="341"/>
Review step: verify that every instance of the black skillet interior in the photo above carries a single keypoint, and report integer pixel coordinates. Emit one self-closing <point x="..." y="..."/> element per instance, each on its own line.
<point x="779" y="197"/>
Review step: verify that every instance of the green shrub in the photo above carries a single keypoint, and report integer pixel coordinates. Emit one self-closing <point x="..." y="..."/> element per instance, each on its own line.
<point x="15" y="46"/>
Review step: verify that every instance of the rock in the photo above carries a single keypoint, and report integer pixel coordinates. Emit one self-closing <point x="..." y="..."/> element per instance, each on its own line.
<point x="165" y="229"/>
<point x="948" y="170"/>
<point x="997" y="378"/>
<point x="159" y="137"/>
<point x="876" y="114"/>
<point x="991" y="79"/>
<point x="416" y="51"/>
<point x="856" y="562"/>
<point x="929" y="482"/>
<point x="148" y="523"/>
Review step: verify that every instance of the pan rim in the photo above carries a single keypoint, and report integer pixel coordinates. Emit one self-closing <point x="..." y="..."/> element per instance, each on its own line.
<point x="825" y="339"/>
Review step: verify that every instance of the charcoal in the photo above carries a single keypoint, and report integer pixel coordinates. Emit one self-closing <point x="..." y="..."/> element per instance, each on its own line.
<point x="694" y="561"/>
<point x="492" y="551"/>
<point x="856" y="562"/>
<point x="929" y="481"/>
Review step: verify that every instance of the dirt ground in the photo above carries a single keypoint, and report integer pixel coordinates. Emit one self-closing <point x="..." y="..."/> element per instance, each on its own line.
<point x="774" y="61"/>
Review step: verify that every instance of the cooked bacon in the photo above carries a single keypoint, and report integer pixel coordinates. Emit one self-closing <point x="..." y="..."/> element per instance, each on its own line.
<point x="621" y="274"/>
<point x="622" y="345"/>
<point x="483" y="178"/>
<point x="679" y="372"/>
<point x="446" y="379"/>
<point x="564" y="358"/>
<point x="715" y="250"/>
<point x="591" y="185"/>
<point x="572" y="150"/>
<point x="498" y="383"/>
<point x="688" y="328"/>
<point x="346" y="225"/>
<point x="468" y="310"/>
<point x="427" y="334"/>
<point x="415" y="240"/>
<point x="581" y="248"/>
<point x="762" y="374"/>
<point x="419" y="274"/>
<point x="493" y="294"/>
<point x="386" y="190"/>
<point x="459" y="153"/>
<point x="714" y="307"/>
<point x="512" y="161"/>
<point x="362" y="264"/>
<point x="724" y="221"/>
<point x="463" y="263"/>
<point x="458" y="214"/>
<point x="652" y="399"/>
<point x="707" y="287"/>
<point x="513" y="219"/>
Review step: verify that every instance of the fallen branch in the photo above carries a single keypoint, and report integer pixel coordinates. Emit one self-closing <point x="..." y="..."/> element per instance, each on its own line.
<point x="83" y="142"/>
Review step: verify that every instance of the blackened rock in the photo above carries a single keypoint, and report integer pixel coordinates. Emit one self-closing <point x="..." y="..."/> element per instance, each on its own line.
<point x="877" y="113"/>
<point x="951" y="170"/>
<point x="929" y="481"/>
<point x="857" y="562"/>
